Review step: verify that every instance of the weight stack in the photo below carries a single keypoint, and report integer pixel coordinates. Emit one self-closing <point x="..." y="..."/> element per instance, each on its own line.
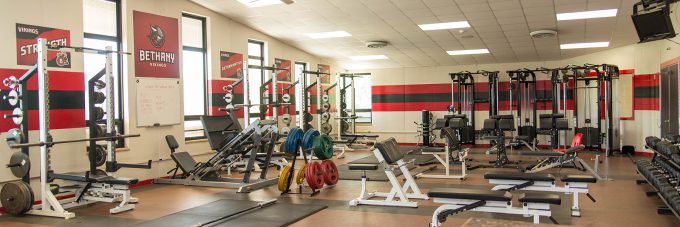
<point x="425" y="120"/>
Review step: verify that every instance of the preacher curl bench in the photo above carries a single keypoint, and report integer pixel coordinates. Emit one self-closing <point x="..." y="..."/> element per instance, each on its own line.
<point x="389" y="158"/>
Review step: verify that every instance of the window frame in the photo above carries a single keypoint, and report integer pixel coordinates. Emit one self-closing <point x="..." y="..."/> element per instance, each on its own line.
<point x="261" y="44"/>
<point x="118" y="39"/>
<point x="369" y="119"/>
<point x="204" y="50"/>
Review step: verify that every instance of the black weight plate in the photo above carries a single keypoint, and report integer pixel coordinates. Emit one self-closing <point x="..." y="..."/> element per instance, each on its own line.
<point x="100" y="156"/>
<point x="345" y="126"/>
<point x="15" y="197"/>
<point x="308" y="117"/>
<point x="325" y="116"/>
<point x="326" y="128"/>
<point x="23" y="164"/>
<point x="98" y="97"/>
<point x="343" y="105"/>
<point x="98" y="113"/>
<point x="308" y="127"/>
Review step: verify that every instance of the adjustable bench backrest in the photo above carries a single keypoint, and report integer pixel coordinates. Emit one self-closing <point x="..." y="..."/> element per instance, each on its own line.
<point x="220" y="130"/>
<point x="389" y="149"/>
<point x="450" y="135"/>
<point x="456" y="123"/>
<point x="183" y="159"/>
<point x="505" y="122"/>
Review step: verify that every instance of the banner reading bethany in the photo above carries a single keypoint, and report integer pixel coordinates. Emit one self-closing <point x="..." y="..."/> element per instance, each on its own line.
<point x="325" y="79"/>
<point x="231" y="65"/>
<point x="283" y="75"/>
<point x="156" y="45"/>
<point x="27" y="45"/>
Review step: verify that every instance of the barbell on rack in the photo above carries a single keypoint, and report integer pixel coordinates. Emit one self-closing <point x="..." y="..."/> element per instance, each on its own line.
<point x="52" y="143"/>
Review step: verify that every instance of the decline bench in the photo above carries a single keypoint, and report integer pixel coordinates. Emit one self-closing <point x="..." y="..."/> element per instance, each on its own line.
<point x="573" y="184"/>
<point x="457" y="200"/>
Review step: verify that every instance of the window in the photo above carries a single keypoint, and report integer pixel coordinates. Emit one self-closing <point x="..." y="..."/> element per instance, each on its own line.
<point x="194" y="74"/>
<point x="102" y="28"/>
<point x="255" y="76"/>
<point x="362" y="88"/>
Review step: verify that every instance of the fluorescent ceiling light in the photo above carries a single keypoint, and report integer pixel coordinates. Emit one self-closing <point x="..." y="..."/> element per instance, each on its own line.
<point x="587" y="14"/>
<point x="465" y="52"/>
<point x="446" y="25"/>
<point x="324" y="35"/>
<point x="583" y="45"/>
<point x="259" y="3"/>
<point x="368" y="57"/>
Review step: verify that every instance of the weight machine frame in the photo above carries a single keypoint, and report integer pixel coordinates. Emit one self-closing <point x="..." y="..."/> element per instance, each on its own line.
<point x="526" y="82"/>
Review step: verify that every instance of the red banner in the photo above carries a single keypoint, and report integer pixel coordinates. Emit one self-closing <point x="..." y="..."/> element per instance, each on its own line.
<point x="231" y="65"/>
<point x="283" y="75"/>
<point x="325" y="79"/>
<point x="156" y="45"/>
<point x="27" y="45"/>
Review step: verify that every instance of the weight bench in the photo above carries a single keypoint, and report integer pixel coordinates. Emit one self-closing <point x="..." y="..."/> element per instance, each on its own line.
<point x="347" y="140"/>
<point x="389" y="158"/>
<point x="452" y="142"/>
<point x="457" y="200"/>
<point x="573" y="184"/>
<point x="97" y="187"/>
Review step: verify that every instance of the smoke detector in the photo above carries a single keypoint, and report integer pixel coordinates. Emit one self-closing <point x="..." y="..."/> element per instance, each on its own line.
<point x="542" y="34"/>
<point x="288" y="2"/>
<point x="376" y="44"/>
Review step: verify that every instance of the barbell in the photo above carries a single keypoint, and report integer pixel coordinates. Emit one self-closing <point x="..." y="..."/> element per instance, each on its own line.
<point x="52" y="143"/>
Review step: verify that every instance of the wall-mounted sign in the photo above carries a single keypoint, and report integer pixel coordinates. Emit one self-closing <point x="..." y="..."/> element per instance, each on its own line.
<point x="325" y="79"/>
<point x="156" y="45"/>
<point x="283" y="75"/>
<point x="231" y="65"/>
<point x="27" y="45"/>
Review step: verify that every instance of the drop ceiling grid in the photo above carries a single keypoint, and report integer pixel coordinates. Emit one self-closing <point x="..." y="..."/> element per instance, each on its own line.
<point x="502" y="26"/>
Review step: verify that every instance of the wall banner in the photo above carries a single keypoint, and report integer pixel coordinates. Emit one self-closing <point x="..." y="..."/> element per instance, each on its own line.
<point x="283" y="75"/>
<point x="156" y="45"/>
<point x="231" y="65"/>
<point x="325" y="79"/>
<point x="27" y="45"/>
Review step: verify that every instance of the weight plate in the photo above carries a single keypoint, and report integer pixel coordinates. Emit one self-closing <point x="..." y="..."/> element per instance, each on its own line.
<point x="98" y="97"/>
<point x="325" y="107"/>
<point x="10" y="82"/>
<point x="228" y="97"/>
<point x="98" y="113"/>
<point x="343" y="113"/>
<point x="308" y="127"/>
<point x="326" y="128"/>
<point x="13" y="97"/>
<point x="300" y="178"/>
<point x="284" y="130"/>
<point x="343" y="105"/>
<point x="323" y="147"/>
<point x="308" y="117"/>
<point x="16" y="197"/>
<point x="284" y="178"/>
<point x="314" y="175"/>
<point x="263" y="109"/>
<point x="291" y="143"/>
<point x="285" y="98"/>
<point x="345" y="126"/>
<point x="98" y="130"/>
<point x="19" y="164"/>
<point x="100" y="156"/>
<point x="325" y="116"/>
<point x="285" y="118"/>
<point x="330" y="172"/>
<point x="14" y="136"/>
<point x="308" y="138"/>
<point x="228" y="88"/>
<point x="325" y="98"/>
<point x="19" y="116"/>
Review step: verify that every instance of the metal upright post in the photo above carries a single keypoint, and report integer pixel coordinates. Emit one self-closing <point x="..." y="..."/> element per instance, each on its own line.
<point x="275" y="91"/>
<point x="110" y="110"/>
<point x="318" y="100"/>
<point x="354" y="107"/>
<point x="246" y="95"/>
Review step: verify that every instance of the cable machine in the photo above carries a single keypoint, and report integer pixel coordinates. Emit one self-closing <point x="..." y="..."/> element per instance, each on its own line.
<point x="523" y="87"/>
<point x="464" y="84"/>
<point x="556" y="122"/>
<point x="603" y="134"/>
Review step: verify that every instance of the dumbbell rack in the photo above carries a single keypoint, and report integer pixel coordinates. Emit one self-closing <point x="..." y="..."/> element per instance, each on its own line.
<point x="662" y="173"/>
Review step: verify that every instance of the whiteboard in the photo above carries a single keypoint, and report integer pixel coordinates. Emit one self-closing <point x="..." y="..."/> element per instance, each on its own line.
<point x="158" y="102"/>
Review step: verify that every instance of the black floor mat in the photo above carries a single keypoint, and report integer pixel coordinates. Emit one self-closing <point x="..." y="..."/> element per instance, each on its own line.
<point x="278" y="214"/>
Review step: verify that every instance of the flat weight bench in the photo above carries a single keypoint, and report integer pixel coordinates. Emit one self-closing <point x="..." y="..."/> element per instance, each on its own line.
<point x="93" y="187"/>
<point x="457" y="200"/>
<point x="389" y="158"/>
<point x="573" y="184"/>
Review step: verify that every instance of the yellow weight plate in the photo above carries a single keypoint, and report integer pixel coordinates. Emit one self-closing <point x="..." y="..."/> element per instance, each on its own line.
<point x="284" y="178"/>
<point x="300" y="179"/>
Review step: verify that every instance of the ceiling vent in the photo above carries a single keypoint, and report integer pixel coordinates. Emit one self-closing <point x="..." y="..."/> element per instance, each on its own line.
<point x="543" y="34"/>
<point x="376" y="44"/>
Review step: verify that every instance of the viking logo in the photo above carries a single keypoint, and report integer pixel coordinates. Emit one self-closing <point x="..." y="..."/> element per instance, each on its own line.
<point x="156" y="36"/>
<point x="62" y="59"/>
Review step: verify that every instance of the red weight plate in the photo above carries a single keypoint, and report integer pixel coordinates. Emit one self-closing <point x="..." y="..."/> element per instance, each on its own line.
<point x="314" y="175"/>
<point x="330" y="172"/>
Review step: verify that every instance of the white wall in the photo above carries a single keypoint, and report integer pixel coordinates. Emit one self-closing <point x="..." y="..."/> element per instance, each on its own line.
<point x="223" y="35"/>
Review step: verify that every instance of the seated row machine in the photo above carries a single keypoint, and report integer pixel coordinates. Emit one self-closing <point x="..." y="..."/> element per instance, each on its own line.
<point x="496" y="126"/>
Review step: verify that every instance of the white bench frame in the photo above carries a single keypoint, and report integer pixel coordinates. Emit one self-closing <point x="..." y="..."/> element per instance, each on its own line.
<point x="535" y="210"/>
<point x="546" y="186"/>
<point x="398" y="196"/>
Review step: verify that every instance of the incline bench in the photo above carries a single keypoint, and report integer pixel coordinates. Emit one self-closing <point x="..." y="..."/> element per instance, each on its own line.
<point x="510" y="181"/>
<point x="457" y="200"/>
<point x="389" y="158"/>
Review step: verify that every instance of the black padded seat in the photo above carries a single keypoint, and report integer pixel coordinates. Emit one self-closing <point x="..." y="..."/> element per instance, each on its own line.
<point x="469" y="193"/>
<point x="93" y="178"/>
<point x="579" y="178"/>
<point x="523" y="138"/>
<point x="184" y="161"/>
<point x="519" y="176"/>
<point x="544" y="153"/>
<point x="501" y="117"/>
<point x="390" y="150"/>
<point x="558" y="115"/>
<point x="117" y="180"/>
<point x="540" y="198"/>
<point x="456" y="123"/>
<point x="490" y="124"/>
<point x="363" y="167"/>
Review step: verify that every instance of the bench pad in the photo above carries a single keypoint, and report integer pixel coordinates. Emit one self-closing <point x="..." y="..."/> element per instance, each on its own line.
<point x="363" y="167"/>
<point x="467" y="193"/>
<point x="519" y="176"/>
<point x="579" y="178"/>
<point x="540" y="198"/>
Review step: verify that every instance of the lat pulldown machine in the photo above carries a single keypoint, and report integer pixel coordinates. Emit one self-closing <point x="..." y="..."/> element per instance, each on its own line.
<point x="523" y="86"/>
